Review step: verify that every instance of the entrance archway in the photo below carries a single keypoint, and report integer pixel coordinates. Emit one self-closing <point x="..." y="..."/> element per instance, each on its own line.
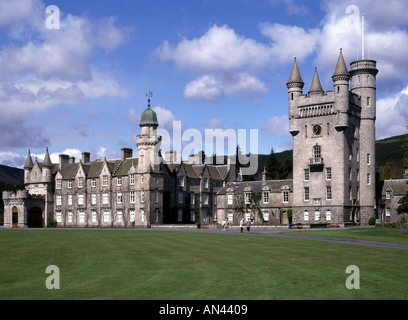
<point x="14" y="222"/>
<point x="35" y="218"/>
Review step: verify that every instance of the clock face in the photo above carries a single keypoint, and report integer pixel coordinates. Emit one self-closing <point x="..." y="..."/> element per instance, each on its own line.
<point x="317" y="130"/>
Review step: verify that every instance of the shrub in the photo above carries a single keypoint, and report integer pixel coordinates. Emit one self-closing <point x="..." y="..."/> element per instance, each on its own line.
<point x="53" y="223"/>
<point x="371" y="221"/>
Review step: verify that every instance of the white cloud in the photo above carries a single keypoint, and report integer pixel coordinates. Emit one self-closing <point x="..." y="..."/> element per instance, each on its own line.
<point x="14" y="12"/>
<point x="224" y="61"/>
<point x="44" y="68"/>
<point x="392" y="115"/>
<point x="278" y="125"/>
<point x="206" y="87"/>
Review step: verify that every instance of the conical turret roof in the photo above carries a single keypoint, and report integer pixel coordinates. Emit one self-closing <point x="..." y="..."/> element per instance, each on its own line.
<point x="316" y="86"/>
<point x="29" y="162"/>
<point x="295" y="77"/>
<point x="341" y="68"/>
<point x="47" y="160"/>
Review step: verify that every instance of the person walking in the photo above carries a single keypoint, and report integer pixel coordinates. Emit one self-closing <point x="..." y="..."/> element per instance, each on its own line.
<point x="248" y="225"/>
<point x="241" y="224"/>
<point x="224" y="224"/>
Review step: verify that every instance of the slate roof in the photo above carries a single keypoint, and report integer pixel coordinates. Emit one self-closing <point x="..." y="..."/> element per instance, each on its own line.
<point x="399" y="187"/>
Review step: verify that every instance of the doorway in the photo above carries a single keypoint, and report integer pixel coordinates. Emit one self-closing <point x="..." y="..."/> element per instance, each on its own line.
<point x="35" y="218"/>
<point x="14" y="222"/>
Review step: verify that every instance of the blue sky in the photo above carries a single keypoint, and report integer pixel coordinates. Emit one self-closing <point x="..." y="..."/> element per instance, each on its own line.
<point x="211" y="64"/>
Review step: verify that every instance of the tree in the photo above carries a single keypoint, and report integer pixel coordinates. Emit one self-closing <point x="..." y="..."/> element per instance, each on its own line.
<point x="273" y="167"/>
<point x="403" y="205"/>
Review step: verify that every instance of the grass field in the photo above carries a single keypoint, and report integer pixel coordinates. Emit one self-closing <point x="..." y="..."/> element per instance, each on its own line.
<point x="165" y="265"/>
<point x="371" y="234"/>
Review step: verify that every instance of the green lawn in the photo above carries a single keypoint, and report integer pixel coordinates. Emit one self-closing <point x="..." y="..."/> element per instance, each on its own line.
<point x="145" y="264"/>
<point x="370" y="233"/>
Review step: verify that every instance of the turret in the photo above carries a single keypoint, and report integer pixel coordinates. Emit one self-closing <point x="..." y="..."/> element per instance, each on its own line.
<point x="47" y="167"/>
<point x="295" y="89"/>
<point x="316" y="86"/>
<point x="27" y="167"/>
<point x="341" y="79"/>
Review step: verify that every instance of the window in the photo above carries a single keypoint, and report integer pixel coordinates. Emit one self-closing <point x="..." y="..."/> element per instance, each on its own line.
<point x="120" y="216"/>
<point x="93" y="198"/>
<point x="368" y="179"/>
<point x="306" y="174"/>
<point x="180" y="215"/>
<point x="132" y="215"/>
<point x="80" y="199"/>
<point x="328" y="193"/>
<point x="105" y="198"/>
<point x="317" y="215"/>
<point x="142" y="215"/>
<point x="285" y="196"/>
<point x="266" y="197"/>
<point x="192" y="215"/>
<point x="358" y="175"/>
<point x="247" y="198"/>
<point x="368" y="102"/>
<point x="93" y="212"/>
<point x="58" y="200"/>
<point x="328" y="173"/>
<point x="70" y="199"/>
<point x="180" y="198"/>
<point x="265" y="216"/>
<point x="104" y="181"/>
<point x="206" y="183"/>
<point x="59" y="216"/>
<point x="230" y="198"/>
<point x="81" y="216"/>
<point x="141" y="179"/>
<point x="306" y="215"/>
<point x="119" y="181"/>
<point x="350" y="193"/>
<point x="350" y="174"/>
<point x="132" y="196"/>
<point x="387" y="194"/>
<point x="142" y="196"/>
<point x="58" y="186"/>
<point x="69" y="184"/>
<point x="106" y="216"/>
<point x="368" y="158"/>
<point x="192" y="198"/>
<point x="181" y="181"/>
<point x="80" y="182"/>
<point x="70" y="217"/>
<point x="132" y="179"/>
<point x="317" y="151"/>
<point x="156" y="215"/>
<point x="388" y="212"/>
<point x="205" y="198"/>
<point x="120" y="197"/>
<point x="306" y="194"/>
<point x="156" y="196"/>
<point x="93" y="183"/>
<point x="328" y="215"/>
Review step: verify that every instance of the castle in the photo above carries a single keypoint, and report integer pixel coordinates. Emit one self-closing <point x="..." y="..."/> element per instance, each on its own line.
<point x="333" y="182"/>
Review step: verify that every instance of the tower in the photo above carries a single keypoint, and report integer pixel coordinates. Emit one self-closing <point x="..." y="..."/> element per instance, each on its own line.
<point x="363" y="84"/>
<point x="148" y="142"/>
<point x="149" y="166"/>
<point x="330" y="130"/>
